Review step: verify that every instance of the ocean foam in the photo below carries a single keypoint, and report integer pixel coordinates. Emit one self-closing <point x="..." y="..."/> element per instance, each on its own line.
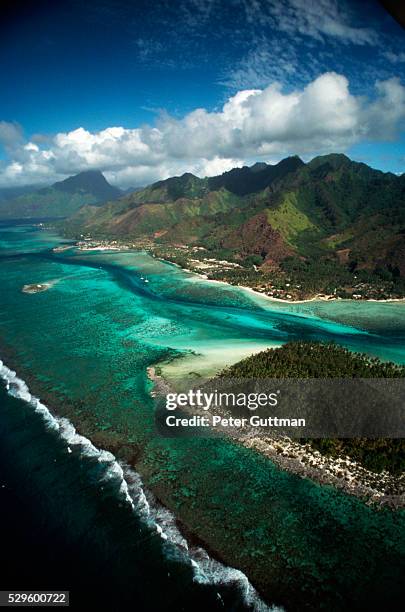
<point x="131" y="490"/>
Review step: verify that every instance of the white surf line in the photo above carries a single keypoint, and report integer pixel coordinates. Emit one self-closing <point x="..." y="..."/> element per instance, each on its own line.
<point x="206" y="569"/>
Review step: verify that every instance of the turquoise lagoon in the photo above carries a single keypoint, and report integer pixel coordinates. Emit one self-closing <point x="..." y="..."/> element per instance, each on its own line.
<point x="83" y="347"/>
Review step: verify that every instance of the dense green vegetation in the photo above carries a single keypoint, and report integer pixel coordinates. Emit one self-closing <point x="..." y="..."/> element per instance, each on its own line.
<point x="313" y="360"/>
<point x="243" y="181"/>
<point x="319" y="360"/>
<point x="299" y="277"/>
<point x="330" y="226"/>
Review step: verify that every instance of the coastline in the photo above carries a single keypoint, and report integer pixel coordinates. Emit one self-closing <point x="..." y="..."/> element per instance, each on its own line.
<point x="210" y="541"/>
<point x="320" y="297"/>
<point x="376" y="489"/>
<point x="243" y="475"/>
<point x="205" y="563"/>
<point x="316" y="298"/>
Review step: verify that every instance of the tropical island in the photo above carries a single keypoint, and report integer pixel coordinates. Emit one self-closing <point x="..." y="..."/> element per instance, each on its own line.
<point x="256" y="238"/>
<point x="202" y="196"/>
<point x="372" y="469"/>
<point x="36" y="288"/>
<point x="328" y="360"/>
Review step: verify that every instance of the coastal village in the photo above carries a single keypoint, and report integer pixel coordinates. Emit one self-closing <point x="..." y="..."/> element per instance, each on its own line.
<point x="271" y="283"/>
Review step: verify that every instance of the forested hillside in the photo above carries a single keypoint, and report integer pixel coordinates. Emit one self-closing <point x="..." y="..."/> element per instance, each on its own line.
<point x="331" y="225"/>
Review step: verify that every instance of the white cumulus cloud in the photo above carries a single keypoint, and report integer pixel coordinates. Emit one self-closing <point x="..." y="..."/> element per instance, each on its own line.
<point x="321" y="117"/>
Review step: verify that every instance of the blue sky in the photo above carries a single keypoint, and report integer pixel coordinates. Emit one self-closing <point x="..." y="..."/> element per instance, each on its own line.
<point x="144" y="90"/>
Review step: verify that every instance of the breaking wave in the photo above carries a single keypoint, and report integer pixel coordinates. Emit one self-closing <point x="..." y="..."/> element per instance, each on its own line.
<point x="131" y="490"/>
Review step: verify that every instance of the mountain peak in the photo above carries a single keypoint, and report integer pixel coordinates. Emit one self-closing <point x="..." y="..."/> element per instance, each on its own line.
<point x="258" y="166"/>
<point x="186" y="185"/>
<point x="336" y="160"/>
<point x="243" y="181"/>
<point x="62" y="198"/>
<point x="189" y="175"/>
<point x="89" y="181"/>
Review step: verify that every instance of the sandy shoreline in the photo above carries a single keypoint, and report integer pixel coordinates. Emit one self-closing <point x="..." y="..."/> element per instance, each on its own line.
<point x="377" y="489"/>
<point x="316" y="298"/>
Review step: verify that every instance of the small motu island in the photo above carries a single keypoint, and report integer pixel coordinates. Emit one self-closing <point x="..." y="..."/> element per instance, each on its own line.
<point x="371" y="469"/>
<point x="302" y="359"/>
<point x="36" y="287"/>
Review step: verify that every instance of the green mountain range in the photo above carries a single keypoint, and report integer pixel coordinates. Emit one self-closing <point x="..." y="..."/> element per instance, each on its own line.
<point x="331" y="216"/>
<point x="174" y="207"/>
<point x="62" y="199"/>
